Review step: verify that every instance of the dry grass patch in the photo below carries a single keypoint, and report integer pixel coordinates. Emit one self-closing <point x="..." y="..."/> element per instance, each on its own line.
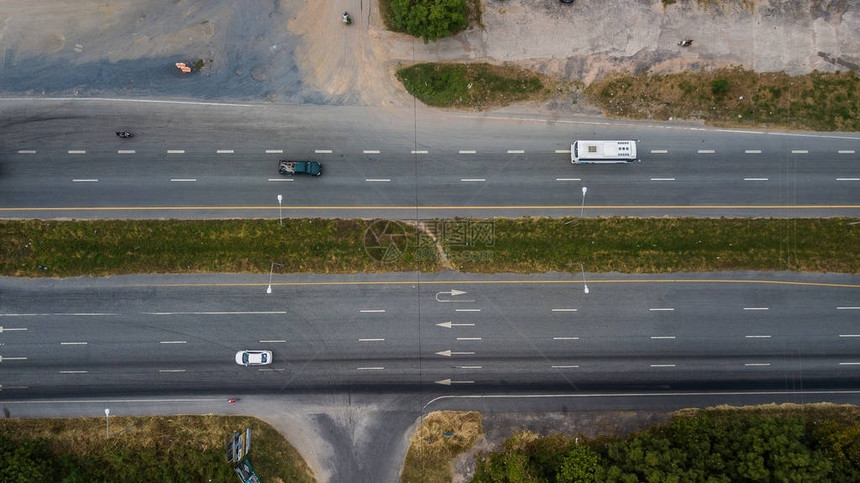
<point x="735" y="97"/>
<point x="160" y="448"/>
<point x="441" y="436"/>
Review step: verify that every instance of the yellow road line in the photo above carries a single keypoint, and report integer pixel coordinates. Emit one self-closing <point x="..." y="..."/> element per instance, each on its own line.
<point x="431" y="208"/>
<point x="502" y="282"/>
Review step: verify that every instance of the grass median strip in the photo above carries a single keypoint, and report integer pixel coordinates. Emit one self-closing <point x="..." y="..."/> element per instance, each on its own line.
<point x="34" y="248"/>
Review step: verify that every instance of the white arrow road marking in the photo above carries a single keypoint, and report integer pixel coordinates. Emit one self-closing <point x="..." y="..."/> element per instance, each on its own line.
<point x="447" y="325"/>
<point x="449" y="353"/>
<point x="448" y="382"/>
<point x="453" y="293"/>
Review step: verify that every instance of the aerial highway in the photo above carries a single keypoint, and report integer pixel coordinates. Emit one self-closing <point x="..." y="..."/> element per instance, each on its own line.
<point x="61" y="159"/>
<point x="438" y="333"/>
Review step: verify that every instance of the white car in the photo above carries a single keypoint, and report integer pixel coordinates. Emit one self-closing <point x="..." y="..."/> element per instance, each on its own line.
<point x="253" y="358"/>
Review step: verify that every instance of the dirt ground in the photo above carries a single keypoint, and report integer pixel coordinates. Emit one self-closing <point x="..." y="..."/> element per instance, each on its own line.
<point x="300" y="51"/>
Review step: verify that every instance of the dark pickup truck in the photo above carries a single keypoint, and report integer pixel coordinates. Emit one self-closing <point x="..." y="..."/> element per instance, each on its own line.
<point x="312" y="168"/>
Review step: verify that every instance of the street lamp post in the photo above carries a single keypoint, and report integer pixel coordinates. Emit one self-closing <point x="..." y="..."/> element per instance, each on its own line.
<point x="271" y="270"/>
<point x="584" y="284"/>
<point x="107" y="423"/>
<point x="582" y="208"/>
<point x="280" y="213"/>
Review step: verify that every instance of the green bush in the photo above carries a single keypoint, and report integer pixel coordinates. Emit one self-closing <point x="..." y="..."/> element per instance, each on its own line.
<point x="719" y="87"/>
<point x="427" y="19"/>
<point x="708" y="446"/>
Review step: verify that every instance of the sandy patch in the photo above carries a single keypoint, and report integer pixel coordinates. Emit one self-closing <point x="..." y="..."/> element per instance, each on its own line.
<point x="348" y="61"/>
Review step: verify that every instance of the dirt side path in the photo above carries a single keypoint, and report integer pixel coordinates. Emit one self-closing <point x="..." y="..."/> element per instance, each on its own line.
<point x="355" y="62"/>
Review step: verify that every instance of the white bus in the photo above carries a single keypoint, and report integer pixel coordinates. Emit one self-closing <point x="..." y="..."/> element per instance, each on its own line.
<point x="603" y="151"/>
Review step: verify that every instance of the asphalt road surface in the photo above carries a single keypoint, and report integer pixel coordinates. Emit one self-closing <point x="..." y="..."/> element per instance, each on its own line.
<point x="358" y="359"/>
<point x="61" y="159"/>
<point x="435" y="333"/>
